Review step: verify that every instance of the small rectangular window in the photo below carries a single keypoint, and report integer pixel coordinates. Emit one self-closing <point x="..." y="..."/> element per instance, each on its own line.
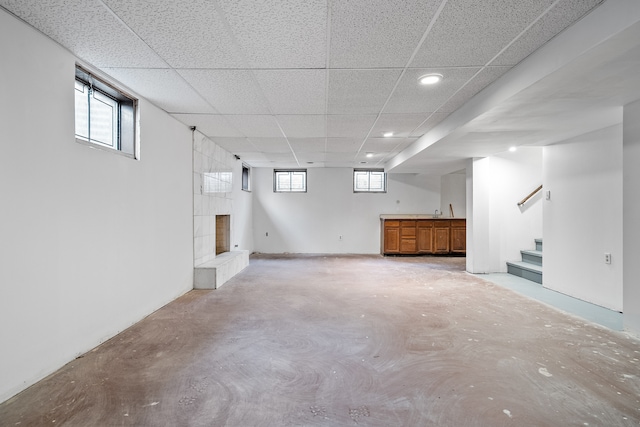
<point x="369" y="181"/>
<point x="290" y="181"/>
<point x="105" y="116"/>
<point x="246" y="175"/>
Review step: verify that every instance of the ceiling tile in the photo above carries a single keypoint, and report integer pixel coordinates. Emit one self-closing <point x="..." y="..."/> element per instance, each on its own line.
<point x="346" y="126"/>
<point x="271" y="145"/>
<point x="343" y="157"/>
<point x="284" y="159"/>
<point x="258" y="126"/>
<point x="303" y="126"/>
<point x="294" y="91"/>
<point x="343" y="145"/>
<point x="98" y="37"/>
<point x="186" y="35"/>
<point x="487" y="76"/>
<point x="400" y="124"/>
<point x="163" y="87"/>
<point x="360" y="91"/>
<point x="229" y="91"/>
<point x="411" y="97"/>
<point x="377" y="33"/>
<point x="308" y="145"/>
<point x="279" y="33"/>
<point x="557" y="19"/>
<point x="383" y="145"/>
<point x="310" y="158"/>
<point x="430" y="123"/>
<point x="235" y="145"/>
<point x="210" y="124"/>
<point x="472" y="32"/>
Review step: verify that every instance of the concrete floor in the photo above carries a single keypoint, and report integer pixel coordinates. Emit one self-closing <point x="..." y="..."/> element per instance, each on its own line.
<point x="347" y="341"/>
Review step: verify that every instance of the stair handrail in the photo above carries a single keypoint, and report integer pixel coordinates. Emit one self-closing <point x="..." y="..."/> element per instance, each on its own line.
<point x="533" y="193"/>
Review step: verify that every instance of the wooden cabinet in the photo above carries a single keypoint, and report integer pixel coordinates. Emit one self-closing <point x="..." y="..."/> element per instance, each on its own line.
<point x="423" y="236"/>
<point x="441" y="236"/>
<point x="407" y="237"/>
<point x="424" y="230"/>
<point x="391" y="237"/>
<point x="458" y="236"/>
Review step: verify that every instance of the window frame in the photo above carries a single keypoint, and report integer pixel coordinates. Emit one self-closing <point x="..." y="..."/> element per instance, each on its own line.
<point x="276" y="188"/>
<point x="369" y="171"/>
<point x="125" y="123"/>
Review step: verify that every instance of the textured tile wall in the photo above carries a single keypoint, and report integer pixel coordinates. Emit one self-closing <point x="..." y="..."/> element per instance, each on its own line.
<point x="212" y="171"/>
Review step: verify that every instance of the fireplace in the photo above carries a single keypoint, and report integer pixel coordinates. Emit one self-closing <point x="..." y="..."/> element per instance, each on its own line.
<point x="223" y="238"/>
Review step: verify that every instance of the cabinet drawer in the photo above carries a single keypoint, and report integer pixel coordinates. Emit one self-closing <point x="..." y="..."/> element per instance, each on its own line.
<point x="392" y="223"/>
<point x="407" y="231"/>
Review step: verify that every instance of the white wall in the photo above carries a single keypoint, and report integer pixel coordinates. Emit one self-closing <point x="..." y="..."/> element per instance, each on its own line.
<point x="312" y="222"/>
<point x="242" y="217"/>
<point x="631" y="217"/>
<point x="583" y="219"/>
<point x="453" y="192"/>
<point x="497" y="229"/>
<point x="91" y="241"/>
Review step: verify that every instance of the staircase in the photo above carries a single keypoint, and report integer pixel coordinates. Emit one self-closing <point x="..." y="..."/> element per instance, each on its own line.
<point x="530" y="267"/>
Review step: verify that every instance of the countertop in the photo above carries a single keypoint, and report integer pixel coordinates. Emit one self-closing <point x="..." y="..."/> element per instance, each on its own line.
<point x="414" y="216"/>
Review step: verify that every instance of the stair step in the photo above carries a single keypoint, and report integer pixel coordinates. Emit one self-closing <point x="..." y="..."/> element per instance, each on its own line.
<point x="533" y="257"/>
<point x="525" y="270"/>
<point x="538" y="244"/>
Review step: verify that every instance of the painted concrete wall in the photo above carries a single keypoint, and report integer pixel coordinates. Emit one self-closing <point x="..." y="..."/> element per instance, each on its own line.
<point x="453" y="190"/>
<point x="313" y="222"/>
<point x="497" y="228"/>
<point x="242" y="217"/>
<point x="631" y="217"/>
<point x="92" y="241"/>
<point x="583" y="218"/>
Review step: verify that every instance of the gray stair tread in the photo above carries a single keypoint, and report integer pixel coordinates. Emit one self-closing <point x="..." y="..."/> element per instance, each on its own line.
<point x="532" y="252"/>
<point x="526" y="266"/>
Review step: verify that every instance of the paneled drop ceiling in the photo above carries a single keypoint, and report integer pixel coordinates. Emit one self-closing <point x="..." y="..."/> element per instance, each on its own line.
<point x="292" y="83"/>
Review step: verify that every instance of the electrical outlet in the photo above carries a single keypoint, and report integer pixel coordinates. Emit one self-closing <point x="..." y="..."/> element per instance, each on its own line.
<point x="340" y="237"/>
<point x="607" y="258"/>
<point x="266" y="234"/>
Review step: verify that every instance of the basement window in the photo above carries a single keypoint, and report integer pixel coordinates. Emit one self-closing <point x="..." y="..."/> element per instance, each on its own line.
<point x="105" y="116"/>
<point x="290" y="181"/>
<point x="369" y="181"/>
<point x="246" y="177"/>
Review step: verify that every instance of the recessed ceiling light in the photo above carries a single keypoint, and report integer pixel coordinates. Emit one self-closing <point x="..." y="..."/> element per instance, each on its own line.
<point x="430" y="79"/>
<point x="512" y="149"/>
<point x="369" y="154"/>
<point x="387" y="134"/>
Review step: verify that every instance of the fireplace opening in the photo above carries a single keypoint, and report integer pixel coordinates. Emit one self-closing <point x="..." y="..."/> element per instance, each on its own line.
<point x="223" y="238"/>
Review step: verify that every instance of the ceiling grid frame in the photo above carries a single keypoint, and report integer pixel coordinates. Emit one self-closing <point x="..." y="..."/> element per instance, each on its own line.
<point x="371" y="104"/>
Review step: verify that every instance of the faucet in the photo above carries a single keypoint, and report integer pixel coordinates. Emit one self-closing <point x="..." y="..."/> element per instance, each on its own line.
<point x="436" y="214"/>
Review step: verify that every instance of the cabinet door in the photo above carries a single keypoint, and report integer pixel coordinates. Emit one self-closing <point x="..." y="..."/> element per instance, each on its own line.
<point x="424" y="239"/>
<point x="458" y="237"/>
<point x="391" y="237"/>
<point x="441" y="240"/>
